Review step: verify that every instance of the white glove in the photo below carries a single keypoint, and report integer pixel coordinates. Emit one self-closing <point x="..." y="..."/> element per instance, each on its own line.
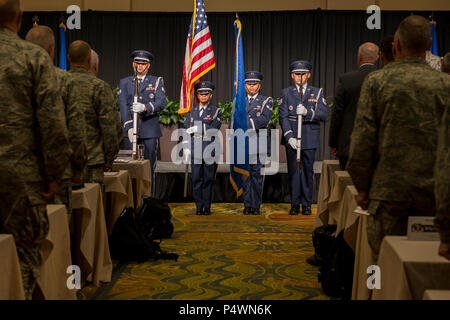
<point x="192" y="130"/>
<point x="130" y="135"/>
<point x="138" y="107"/>
<point x="301" y="110"/>
<point x="293" y="143"/>
<point x="186" y="155"/>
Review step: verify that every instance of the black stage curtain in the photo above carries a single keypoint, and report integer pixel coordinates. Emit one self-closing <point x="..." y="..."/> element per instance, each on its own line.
<point x="328" y="39"/>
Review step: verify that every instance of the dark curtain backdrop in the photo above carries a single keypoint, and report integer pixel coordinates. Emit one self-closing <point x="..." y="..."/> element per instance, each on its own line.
<point x="328" y="39"/>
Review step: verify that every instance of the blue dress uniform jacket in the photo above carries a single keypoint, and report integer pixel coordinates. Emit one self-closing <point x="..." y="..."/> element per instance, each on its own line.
<point x="153" y="95"/>
<point x="203" y="175"/>
<point x="301" y="180"/>
<point x="259" y="113"/>
<point x="314" y="102"/>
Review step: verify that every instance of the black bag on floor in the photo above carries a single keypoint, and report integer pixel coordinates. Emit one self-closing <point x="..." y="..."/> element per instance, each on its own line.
<point x="323" y="240"/>
<point x="336" y="272"/>
<point x="129" y="243"/>
<point x="154" y="216"/>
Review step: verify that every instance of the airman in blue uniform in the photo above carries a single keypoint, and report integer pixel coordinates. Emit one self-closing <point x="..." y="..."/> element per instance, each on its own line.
<point x="259" y="113"/>
<point x="151" y="100"/>
<point x="203" y="164"/>
<point x="313" y="109"/>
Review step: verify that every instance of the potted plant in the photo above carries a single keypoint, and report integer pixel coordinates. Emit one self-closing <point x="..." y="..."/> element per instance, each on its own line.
<point x="169" y="120"/>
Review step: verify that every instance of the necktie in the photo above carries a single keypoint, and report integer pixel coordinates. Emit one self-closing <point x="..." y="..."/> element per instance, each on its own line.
<point x="201" y="111"/>
<point x="250" y="100"/>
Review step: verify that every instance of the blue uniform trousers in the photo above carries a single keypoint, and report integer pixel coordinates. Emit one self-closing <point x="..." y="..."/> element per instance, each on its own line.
<point x="301" y="180"/>
<point x="252" y="186"/>
<point x="203" y="177"/>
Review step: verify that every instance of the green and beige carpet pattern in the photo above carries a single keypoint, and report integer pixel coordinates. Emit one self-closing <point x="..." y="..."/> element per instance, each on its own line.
<point x="224" y="256"/>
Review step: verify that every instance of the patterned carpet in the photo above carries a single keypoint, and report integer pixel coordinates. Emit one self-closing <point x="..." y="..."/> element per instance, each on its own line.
<point x="224" y="256"/>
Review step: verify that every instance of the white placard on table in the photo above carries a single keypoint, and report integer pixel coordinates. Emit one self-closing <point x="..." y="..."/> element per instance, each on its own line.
<point x="422" y="229"/>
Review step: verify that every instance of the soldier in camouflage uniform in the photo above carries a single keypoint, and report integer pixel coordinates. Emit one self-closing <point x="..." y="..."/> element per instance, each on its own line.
<point x="97" y="100"/>
<point x="119" y="124"/>
<point x="44" y="37"/>
<point x="442" y="185"/>
<point x="393" y="144"/>
<point x="34" y="143"/>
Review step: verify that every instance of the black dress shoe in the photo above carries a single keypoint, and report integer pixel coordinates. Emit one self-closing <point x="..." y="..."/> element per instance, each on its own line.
<point x="313" y="261"/>
<point x="199" y="212"/>
<point x="207" y="212"/>
<point x="248" y="210"/>
<point x="256" y="212"/>
<point x="245" y="211"/>
<point x="295" y="210"/>
<point x="306" y="211"/>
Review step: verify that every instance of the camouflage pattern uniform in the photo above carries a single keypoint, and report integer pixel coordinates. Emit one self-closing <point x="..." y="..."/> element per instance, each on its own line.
<point x="433" y="60"/>
<point x="77" y="136"/>
<point x="34" y="147"/>
<point x="97" y="100"/>
<point x="119" y="129"/>
<point x="393" y="145"/>
<point x="442" y="179"/>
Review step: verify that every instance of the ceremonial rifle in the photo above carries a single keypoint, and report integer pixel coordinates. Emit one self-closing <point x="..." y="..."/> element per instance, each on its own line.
<point x="135" y="117"/>
<point x="299" y="123"/>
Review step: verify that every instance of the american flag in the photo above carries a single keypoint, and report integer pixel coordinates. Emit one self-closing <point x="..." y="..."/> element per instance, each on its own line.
<point x="199" y="58"/>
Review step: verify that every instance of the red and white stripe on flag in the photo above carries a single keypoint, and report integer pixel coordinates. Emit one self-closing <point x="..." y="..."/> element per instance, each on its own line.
<point x="199" y="57"/>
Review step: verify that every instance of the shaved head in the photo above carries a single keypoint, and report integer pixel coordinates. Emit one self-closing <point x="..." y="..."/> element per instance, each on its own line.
<point x="9" y="11"/>
<point x="369" y="51"/>
<point x="80" y="53"/>
<point x="414" y="34"/>
<point x="445" y="66"/>
<point x="42" y="36"/>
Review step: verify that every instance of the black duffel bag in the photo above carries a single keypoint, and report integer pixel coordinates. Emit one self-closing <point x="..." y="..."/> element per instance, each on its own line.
<point x="128" y="242"/>
<point x="323" y="240"/>
<point x="154" y="217"/>
<point x="336" y="271"/>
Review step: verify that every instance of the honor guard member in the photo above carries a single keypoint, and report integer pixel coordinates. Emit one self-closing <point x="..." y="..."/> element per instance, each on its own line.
<point x="313" y="109"/>
<point x="151" y="100"/>
<point x="204" y="117"/>
<point x="259" y="113"/>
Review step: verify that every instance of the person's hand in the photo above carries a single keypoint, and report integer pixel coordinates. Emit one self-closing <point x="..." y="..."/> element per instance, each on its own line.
<point x="130" y="135"/>
<point x="107" y="167"/>
<point x="301" y="110"/>
<point x="293" y="143"/>
<point x="334" y="152"/>
<point x="444" y="250"/>
<point x="138" y="107"/>
<point x="192" y="130"/>
<point x="186" y="155"/>
<point x="50" y="191"/>
<point x="362" y="200"/>
<point x="77" y="177"/>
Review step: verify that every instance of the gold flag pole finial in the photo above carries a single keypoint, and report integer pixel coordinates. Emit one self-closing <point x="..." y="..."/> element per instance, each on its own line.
<point x="35" y="20"/>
